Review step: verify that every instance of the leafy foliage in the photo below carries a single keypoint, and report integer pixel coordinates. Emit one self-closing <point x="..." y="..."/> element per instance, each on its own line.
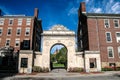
<point x="60" y="57"/>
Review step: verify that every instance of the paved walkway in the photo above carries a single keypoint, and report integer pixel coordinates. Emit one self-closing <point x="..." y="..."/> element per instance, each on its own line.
<point x="61" y="73"/>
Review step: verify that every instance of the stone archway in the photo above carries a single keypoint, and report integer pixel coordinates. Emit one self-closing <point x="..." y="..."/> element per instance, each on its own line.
<point x="58" y="34"/>
<point x="58" y="56"/>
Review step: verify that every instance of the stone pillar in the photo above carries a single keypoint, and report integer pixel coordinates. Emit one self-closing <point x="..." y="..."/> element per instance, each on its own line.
<point x="92" y="54"/>
<point x="25" y="61"/>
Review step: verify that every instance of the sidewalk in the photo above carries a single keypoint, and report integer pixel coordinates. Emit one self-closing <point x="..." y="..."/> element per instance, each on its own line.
<point x="68" y="74"/>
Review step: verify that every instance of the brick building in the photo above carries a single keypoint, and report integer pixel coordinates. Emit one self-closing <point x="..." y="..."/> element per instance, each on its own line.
<point x="100" y="32"/>
<point x="20" y="31"/>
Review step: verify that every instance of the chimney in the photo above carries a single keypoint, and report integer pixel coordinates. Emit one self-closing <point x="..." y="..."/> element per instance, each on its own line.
<point x="36" y="12"/>
<point x="82" y="7"/>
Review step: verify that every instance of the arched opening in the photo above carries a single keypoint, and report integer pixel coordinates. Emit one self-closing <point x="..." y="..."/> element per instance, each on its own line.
<point x="58" y="56"/>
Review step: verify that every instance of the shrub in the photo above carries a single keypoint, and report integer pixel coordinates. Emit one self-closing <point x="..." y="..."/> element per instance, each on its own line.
<point x="39" y="69"/>
<point x="107" y="69"/>
<point x="76" y="69"/>
<point x="117" y="68"/>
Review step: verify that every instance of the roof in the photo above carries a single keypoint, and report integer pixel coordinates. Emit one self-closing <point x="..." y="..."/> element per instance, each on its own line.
<point x="102" y="15"/>
<point x="16" y="16"/>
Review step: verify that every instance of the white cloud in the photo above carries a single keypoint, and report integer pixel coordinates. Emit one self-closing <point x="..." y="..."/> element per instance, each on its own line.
<point x="96" y="10"/>
<point x="116" y="8"/>
<point x="86" y="1"/>
<point x="72" y="11"/>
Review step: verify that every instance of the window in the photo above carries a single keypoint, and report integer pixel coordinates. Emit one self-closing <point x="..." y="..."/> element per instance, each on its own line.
<point x="7" y="42"/>
<point x="27" y="32"/>
<point x="18" y="31"/>
<point x="17" y="42"/>
<point x="0" y="31"/>
<point x="24" y="62"/>
<point x="26" y="43"/>
<point x="106" y="23"/>
<point x="10" y="21"/>
<point x="118" y="37"/>
<point x="116" y="23"/>
<point x="20" y="21"/>
<point x="28" y="21"/>
<point x="93" y="63"/>
<point x="119" y="51"/>
<point x="112" y="64"/>
<point x="110" y="52"/>
<point x="108" y="37"/>
<point x="1" y="21"/>
<point x="9" y="31"/>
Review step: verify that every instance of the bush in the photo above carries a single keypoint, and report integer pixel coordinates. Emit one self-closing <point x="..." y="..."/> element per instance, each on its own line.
<point x="107" y="69"/>
<point x="76" y="69"/>
<point x="39" y="69"/>
<point x="117" y="68"/>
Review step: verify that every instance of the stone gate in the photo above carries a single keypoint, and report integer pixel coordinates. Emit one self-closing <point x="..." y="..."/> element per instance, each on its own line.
<point x="59" y="34"/>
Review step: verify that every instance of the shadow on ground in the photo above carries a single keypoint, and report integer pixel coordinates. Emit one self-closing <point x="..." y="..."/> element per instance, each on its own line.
<point x="117" y="75"/>
<point x="4" y="74"/>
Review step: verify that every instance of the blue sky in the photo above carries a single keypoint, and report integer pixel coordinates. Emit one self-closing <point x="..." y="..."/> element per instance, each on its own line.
<point x="58" y="11"/>
<point x="53" y="49"/>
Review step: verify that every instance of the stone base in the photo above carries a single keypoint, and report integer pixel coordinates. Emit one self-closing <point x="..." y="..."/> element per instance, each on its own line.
<point x="106" y="64"/>
<point x="26" y="54"/>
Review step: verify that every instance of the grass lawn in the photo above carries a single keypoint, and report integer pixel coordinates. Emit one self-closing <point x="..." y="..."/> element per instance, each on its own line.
<point x="58" y="65"/>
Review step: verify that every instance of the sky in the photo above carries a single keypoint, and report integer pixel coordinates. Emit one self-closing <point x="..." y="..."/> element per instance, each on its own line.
<point x="56" y="47"/>
<point x="52" y="12"/>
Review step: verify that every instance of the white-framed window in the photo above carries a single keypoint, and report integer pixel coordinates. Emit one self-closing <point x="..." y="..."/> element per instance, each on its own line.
<point x="2" y="21"/>
<point x="27" y="31"/>
<point x="110" y="52"/>
<point x="118" y="37"/>
<point x="1" y="30"/>
<point x="119" y="51"/>
<point x="18" y="32"/>
<point x="19" y="21"/>
<point x="26" y="43"/>
<point x="9" y="32"/>
<point x="17" y="42"/>
<point x="106" y="23"/>
<point x="108" y="37"/>
<point x="11" y="21"/>
<point x="28" y="21"/>
<point x="116" y="23"/>
<point x="7" y="42"/>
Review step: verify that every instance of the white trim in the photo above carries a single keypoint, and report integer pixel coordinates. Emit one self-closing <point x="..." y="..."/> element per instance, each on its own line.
<point x="108" y="23"/>
<point x="118" y="23"/>
<point x="28" y="21"/>
<point x="118" y="41"/>
<point x="17" y="31"/>
<point x="110" y="37"/>
<point x="17" y="39"/>
<point x="1" y="31"/>
<point x="6" y="41"/>
<point x="2" y="21"/>
<point x="110" y="47"/>
<point x="20" y="21"/>
<point x="26" y="31"/>
<point x="12" y="21"/>
<point x="7" y="31"/>
<point x="118" y="51"/>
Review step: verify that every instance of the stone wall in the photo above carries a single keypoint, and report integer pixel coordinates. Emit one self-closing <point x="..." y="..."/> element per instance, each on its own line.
<point x="29" y="55"/>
